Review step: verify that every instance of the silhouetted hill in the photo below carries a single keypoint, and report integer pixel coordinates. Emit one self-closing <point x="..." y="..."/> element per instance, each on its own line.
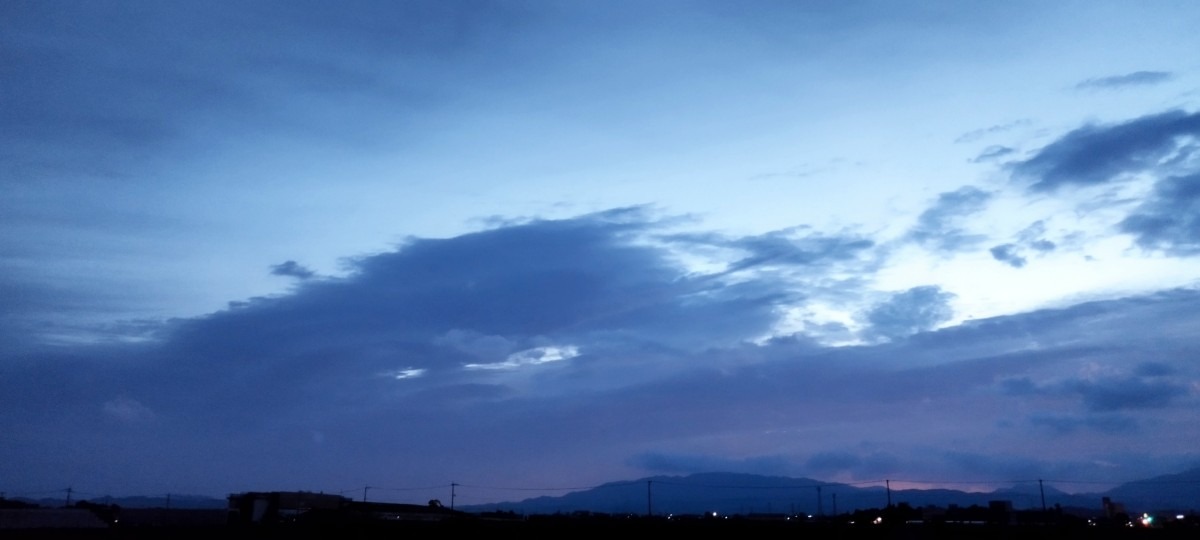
<point x="1170" y="491"/>
<point x="693" y="494"/>
<point x="731" y="493"/>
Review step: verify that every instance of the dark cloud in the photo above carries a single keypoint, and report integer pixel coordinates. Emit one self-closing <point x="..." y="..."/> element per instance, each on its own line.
<point x="1097" y="154"/>
<point x="542" y="283"/>
<point x="938" y="226"/>
<point x="1007" y="254"/>
<point x="1137" y="78"/>
<point x="993" y="152"/>
<point x="515" y="298"/>
<point x="292" y="269"/>
<point x="100" y="89"/>
<point x="1169" y="219"/>
<point x="1127" y="393"/>
<point x="1150" y="385"/>
<point x="915" y="310"/>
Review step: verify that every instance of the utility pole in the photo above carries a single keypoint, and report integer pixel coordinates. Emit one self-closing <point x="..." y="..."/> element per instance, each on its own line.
<point x="453" y="494"/>
<point x="649" y="499"/>
<point x="820" y="503"/>
<point x="888" y="483"/>
<point x="68" y="496"/>
<point x="1043" y="492"/>
<point x="365" y="488"/>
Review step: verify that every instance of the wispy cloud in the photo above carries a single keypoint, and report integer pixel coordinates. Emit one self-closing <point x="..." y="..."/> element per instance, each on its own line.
<point x="993" y="153"/>
<point x="1137" y="78"/>
<point x="941" y="225"/>
<point x="128" y="410"/>
<point x="978" y="134"/>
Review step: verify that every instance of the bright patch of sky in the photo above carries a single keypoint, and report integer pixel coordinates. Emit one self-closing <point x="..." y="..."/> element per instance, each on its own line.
<point x="530" y="357"/>
<point x="408" y="373"/>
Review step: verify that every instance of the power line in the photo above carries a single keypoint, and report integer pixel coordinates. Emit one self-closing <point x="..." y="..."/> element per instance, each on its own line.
<point x="569" y="488"/>
<point x="420" y="488"/>
<point x="649" y="499"/>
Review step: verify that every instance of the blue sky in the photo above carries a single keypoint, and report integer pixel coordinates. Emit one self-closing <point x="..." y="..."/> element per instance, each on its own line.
<point x="315" y="245"/>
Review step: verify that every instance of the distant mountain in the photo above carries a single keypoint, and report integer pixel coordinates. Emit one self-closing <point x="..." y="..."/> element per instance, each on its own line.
<point x="694" y="494"/>
<point x="1171" y="491"/>
<point x="734" y="493"/>
<point x="731" y="493"/>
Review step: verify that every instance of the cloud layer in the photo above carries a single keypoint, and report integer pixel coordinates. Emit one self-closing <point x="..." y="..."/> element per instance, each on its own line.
<point x="546" y="345"/>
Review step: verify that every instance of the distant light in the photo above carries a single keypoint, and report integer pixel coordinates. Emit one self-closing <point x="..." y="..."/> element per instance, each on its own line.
<point x="878" y="520"/>
<point x="714" y="514"/>
<point x="1179" y="516"/>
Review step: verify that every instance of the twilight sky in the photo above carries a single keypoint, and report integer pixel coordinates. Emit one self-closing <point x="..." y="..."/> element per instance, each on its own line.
<point x="321" y="245"/>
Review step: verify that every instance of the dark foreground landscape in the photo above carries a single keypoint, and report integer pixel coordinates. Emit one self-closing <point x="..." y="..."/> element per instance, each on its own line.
<point x="560" y="526"/>
<point x="1163" y="508"/>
